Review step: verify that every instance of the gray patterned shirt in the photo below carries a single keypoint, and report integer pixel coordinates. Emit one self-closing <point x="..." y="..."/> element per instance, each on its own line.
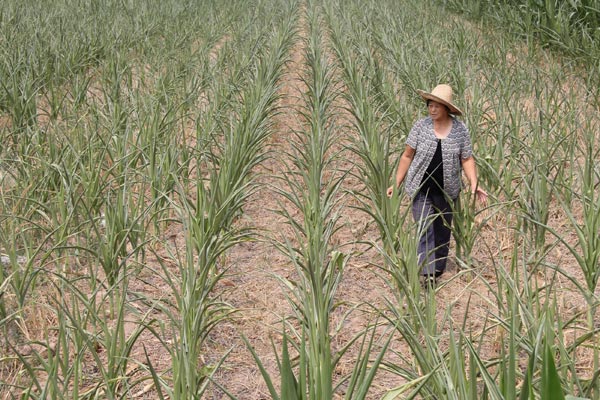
<point x="456" y="147"/>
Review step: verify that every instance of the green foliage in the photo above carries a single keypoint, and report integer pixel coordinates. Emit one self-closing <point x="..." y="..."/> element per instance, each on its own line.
<point x="100" y="105"/>
<point x="121" y="121"/>
<point x="569" y="26"/>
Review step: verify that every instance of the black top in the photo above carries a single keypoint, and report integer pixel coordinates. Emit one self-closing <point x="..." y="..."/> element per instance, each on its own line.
<point x="433" y="180"/>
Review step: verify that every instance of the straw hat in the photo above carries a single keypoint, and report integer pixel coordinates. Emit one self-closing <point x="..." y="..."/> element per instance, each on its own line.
<point x="441" y="94"/>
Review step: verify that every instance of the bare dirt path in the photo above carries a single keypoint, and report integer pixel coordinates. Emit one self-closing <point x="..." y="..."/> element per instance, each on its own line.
<point x="255" y="291"/>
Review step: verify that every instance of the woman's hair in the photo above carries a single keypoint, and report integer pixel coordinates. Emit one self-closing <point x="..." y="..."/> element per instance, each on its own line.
<point x="447" y="108"/>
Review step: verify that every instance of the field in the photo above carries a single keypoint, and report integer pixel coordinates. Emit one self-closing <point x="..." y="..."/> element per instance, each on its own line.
<point x="193" y="200"/>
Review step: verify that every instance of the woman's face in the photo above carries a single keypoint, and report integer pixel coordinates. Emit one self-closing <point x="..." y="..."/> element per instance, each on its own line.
<point x="437" y="111"/>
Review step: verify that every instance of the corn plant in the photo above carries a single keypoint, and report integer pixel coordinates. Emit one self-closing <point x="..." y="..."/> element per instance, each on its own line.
<point x="319" y="265"/>
<point x="377" y="163"/>
<point x="586" y="251"/>
<point x="568" y="26"/>
<point x="20" y="88"/>
<point x="467" y="225"/>
<point x="208" y="217"/>
<point x="545" y="158"/>
<point x="122" y="122"/>
<point x="86" y="185"/>
<point x="375" y="153"/>
<point x="504" y="124"/>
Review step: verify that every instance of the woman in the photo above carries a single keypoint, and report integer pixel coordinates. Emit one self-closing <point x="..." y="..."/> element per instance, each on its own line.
<point x="437" y="149"/>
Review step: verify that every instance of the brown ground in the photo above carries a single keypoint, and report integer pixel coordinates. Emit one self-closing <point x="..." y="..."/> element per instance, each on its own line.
<point x="256" y="291"/>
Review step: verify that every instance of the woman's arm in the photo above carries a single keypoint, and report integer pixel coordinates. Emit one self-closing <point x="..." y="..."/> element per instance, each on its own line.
<point x="405" y="161"/>
<point x="470" y="169"/>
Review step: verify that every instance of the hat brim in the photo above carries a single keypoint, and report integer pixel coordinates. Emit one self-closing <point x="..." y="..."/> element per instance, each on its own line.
<point x="429" y="96"/>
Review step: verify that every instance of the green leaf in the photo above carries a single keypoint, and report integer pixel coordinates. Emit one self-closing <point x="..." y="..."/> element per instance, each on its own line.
<point x="289" y="383"/>
<point x="396" y="392"/>
<point x="551" y="386"/>
<point x="263" y="371"/>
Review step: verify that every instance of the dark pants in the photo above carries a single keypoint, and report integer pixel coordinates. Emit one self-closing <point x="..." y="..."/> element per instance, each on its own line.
<point x="433" y="213"/>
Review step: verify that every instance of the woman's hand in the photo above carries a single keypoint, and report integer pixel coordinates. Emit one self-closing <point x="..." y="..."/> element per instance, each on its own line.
<point x="480" y="194"/>
<point x="390" y="191"/>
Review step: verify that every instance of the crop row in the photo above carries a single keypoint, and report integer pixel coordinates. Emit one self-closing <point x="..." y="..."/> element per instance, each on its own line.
<point x="154" y="127"/>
